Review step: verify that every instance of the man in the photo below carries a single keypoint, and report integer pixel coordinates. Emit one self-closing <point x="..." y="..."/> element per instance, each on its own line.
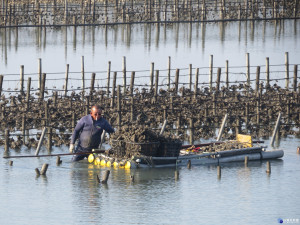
<point x="88" y="130"/>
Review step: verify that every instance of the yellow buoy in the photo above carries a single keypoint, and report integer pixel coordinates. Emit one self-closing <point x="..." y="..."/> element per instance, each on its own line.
<point x="97" y="161"/>
<point x="108" y="164"/>
<point x="127" y="165"/>
<point x="102" y="162"/>
<point x="116" y="164"/>
<point x="91" y="158"/>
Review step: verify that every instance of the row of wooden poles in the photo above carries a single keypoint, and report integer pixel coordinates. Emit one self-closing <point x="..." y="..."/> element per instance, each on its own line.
<point x="246" y="161"/>
<point x="105" y="12"/>
<point x="45" y="166"/>
<point x="154" y="83"/>
<point x="49" y="130"/>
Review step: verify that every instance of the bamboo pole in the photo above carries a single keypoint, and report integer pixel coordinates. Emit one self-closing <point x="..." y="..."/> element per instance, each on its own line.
<point x="190" y="74"/>
<point x="124" y="74"/>
<point x="6" y="144"/>
<point x="151" y="75"/>
<point x="222" y="127"/>
<point x="196" y="83"/>
<point x="28" y="93"/>
<point x="227" y="73"/>
<point x="66" y="80"/>
<point x="40" y="72"/>
<point x="82" y="76"/>
<point x="52" y="155"/>
<point x="295" y="77"/>
<point x="92" y="84"/>
<point x="267" y="72"/>
<point x="114" y="90"/>
<point x="210" y="71"/>
<point x="257" y="79"/>
<point x="108" y="73"/>
<point x="248" y="68"/>
<point x="156" y="84"/>
<point x="1" y="83"/>
<point x="275" y="129"/>
<point x="169" y="72"/>
<point x="43" y="83"/>
<point x="132" y="83"/>
<point x="22" y="79"/>
<point x="218" y="79"/>
<point x="287" y="70"/>
<point x="119" y="106"/>
<point x="176" y="81"/>
<point x="40" y="141"/>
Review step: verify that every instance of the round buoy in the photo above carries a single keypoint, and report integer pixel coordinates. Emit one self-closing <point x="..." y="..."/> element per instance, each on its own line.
<point x="116" y="164"/>
<point x="97" y="161"/>
<point x="108" y="164"/>
<point x="91" y="158"/>
<point x="103" y="162"/>
<point x="127" y="165"/>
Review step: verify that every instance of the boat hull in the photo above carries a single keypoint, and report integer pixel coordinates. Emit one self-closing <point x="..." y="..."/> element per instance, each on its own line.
<point x="201" y="160"/>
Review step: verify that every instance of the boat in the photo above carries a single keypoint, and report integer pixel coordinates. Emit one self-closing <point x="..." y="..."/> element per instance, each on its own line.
<point x="194" y="154"/>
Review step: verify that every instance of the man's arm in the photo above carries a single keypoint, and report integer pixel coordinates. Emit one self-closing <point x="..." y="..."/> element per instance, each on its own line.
<point x="107" y="127"/>
<point x="77" y="130"/>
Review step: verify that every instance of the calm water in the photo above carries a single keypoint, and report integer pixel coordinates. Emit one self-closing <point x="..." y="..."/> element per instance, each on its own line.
<point x="143" y="44"/>
<point x="69" y="194"/>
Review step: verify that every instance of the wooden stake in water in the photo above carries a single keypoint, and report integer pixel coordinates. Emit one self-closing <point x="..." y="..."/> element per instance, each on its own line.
<point x="268" y="167"/>
<point x="176" y="175"/>
<point x="219" y="172"/>
<point x="58" y="160"/>
<point x="106" y="176"/>
<point x="189" y="164"/>
<point x="6" y="146"/>
<point x="246" y="160"/>
<point x="44" y="169"/>
<point x="37" y="171"/>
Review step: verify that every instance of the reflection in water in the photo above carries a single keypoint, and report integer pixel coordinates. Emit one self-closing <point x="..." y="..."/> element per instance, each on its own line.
<point x="85" y="191"/>
<point x="149" y="30"/>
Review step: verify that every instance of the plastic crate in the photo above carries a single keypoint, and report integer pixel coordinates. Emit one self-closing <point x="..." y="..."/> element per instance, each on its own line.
<point x="147" y="149"/>
<point x="118" y="148"/>
<point x="169" y="149"/>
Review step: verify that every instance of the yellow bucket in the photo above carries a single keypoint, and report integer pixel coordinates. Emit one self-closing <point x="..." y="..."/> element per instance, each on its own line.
<point x="246" y="140"/>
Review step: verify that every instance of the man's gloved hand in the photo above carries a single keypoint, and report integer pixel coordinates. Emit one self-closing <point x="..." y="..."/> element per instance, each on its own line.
<point x="71" y="149"/>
